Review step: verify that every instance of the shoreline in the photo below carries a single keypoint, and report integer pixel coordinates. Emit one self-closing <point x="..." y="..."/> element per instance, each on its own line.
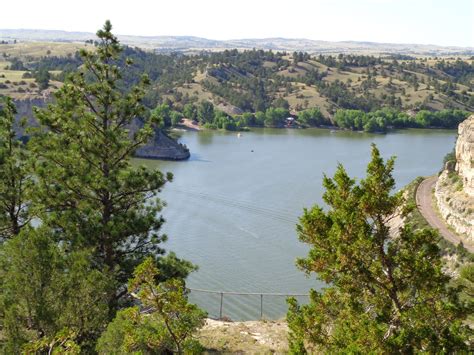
<point x="188" y="125"/>
<point x="196" y="128"/>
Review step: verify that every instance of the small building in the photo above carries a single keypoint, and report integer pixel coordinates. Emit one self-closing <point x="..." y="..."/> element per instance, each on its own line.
<point x="290" y="121"/>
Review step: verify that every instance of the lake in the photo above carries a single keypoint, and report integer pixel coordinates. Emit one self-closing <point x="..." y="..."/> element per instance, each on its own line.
<point x="232" y="208"/>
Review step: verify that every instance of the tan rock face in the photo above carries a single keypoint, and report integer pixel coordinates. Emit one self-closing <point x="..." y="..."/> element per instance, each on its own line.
<point x="465" y="155"/>
<point x="456" y="207"/>
<point x="454" y="191"/>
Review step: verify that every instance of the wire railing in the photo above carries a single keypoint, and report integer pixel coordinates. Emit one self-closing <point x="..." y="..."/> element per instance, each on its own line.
<point x="243" y="305"/>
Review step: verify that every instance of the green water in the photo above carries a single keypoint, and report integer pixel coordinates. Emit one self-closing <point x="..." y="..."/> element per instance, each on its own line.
<point x="233" y="206"/>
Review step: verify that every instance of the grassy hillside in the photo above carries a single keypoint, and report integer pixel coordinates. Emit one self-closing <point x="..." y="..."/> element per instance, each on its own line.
<point x="18" y="85"/>
<point x="254" y="80"/>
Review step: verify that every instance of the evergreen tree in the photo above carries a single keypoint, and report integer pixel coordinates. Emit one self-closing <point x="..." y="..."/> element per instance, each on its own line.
<point x="15" y="176"/>
<point x="161" y="114"/>
<point x="45" y="289"/>
<point x="385" y="294"/>
<point x="42" y="78"/>
<point x="61" y="343"/>
<point x="88" y="191"/>
<point x="165" y="322"/>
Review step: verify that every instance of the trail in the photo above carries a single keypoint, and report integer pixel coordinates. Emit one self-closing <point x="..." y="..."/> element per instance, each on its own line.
<point x="424" y="201"/>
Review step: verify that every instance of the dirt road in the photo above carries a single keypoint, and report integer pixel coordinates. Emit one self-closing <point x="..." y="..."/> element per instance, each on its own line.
<point x="424" y="201"/>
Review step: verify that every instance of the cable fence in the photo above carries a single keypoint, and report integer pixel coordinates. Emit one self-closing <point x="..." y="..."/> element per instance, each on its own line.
<point x="242" y="306"/>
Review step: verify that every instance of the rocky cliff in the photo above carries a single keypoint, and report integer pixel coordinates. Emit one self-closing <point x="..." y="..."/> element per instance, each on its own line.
<point x="454" y="190"/>
<point x="163" y="147"/>
<point x="465" y="155"/>
<point x="159" y="147"/>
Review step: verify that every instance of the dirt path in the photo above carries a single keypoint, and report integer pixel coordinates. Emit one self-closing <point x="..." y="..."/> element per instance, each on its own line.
<point x="424" y="201"/>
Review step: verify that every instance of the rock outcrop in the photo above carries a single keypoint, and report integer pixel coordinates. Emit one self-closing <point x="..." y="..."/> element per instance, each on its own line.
<point x="163" y="147"/>
<point x="454" y="190"/>
<point x="455" y="205"/>
<point x="159" y="147"/>
<point x="465" y="155"/>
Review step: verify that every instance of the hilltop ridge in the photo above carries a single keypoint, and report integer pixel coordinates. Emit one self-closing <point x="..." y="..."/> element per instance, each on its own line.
<point x="192" y="43"/>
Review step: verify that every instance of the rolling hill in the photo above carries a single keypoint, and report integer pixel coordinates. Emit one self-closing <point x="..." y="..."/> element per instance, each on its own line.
<point x="196" y="44"/>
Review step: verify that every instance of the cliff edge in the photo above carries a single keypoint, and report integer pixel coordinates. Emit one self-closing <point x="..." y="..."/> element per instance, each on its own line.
<point x="465" y="155"/>
<point x="163" y="147"/>
<point x="454" y="189"/>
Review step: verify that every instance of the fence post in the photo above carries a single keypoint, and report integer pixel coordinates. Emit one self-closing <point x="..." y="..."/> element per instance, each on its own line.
<point x="222" y="301"/>
<point x="254" y="294"/>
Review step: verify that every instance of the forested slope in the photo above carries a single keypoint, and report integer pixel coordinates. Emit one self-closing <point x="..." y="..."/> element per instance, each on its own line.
<point x="255" y="80"/>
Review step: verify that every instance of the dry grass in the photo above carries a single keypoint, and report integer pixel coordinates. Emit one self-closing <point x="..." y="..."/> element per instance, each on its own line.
<point x="292" y="72"/>
<point x="197" y="90"/>
<point x="268" y="64"/>
<point x="19" y="88"/>
<point x="40" y="49"/>
<point x="307" y="95"/>
<point x="341" y="75"/>
<point x="16" y="85"/>
<point x="254" y="337"/>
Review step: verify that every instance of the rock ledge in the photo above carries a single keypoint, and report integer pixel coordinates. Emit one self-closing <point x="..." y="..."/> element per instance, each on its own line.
<point x="454" y="190"/>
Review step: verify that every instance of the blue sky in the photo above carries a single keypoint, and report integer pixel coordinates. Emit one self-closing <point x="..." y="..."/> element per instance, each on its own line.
<point x="444" y="22"/>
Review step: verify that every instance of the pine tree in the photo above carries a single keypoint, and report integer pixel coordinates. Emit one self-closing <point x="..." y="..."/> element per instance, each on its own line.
<point x="164" y="323"/>
<point x="42" y="78"/>
<point x="45" y="289"/>
<point x="89" y="192"/>
<point x="385" y="293"/>
<point x="15" y="176"/>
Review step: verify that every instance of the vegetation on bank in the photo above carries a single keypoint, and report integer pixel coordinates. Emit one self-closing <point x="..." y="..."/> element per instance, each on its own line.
<point x="386" y="295"/>
<point x="379" y="121"/>
<point x="382" y="120"/>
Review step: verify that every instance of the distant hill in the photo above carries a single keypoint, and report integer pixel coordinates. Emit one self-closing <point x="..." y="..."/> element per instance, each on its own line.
<point x="256" y="80"/>
<point x="192" y="44"/>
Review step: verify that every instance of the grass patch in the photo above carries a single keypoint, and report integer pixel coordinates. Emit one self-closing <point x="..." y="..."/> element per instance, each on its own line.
<point x="37" y="50"/>
<point x="254" y="337"/>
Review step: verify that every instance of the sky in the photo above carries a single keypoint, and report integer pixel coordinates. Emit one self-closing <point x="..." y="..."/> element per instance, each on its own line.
<point x="442" y="22"/>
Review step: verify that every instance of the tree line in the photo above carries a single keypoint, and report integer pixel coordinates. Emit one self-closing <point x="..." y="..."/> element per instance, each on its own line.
<point x="382" y="120"/>
<point x="207" y="115"/>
